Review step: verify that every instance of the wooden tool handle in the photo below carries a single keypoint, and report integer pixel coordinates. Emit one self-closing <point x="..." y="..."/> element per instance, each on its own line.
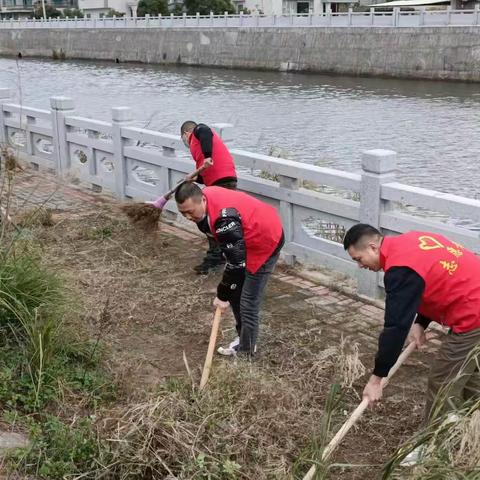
<point x="401" y="358"/>
<point x="198" y="171"/>
<point x="188" y="178"/>
<point x="211" y="348"/>
<point x="357" y="413"/>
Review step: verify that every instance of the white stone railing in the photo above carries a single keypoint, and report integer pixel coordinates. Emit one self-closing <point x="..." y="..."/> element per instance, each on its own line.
<point x="395" y="18"/>
<point x="142" y="164"/>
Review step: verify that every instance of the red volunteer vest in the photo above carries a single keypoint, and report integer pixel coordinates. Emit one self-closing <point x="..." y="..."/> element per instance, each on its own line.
<point x="451" y="274"/>
<point x="223" y="165"/>
<point x="262" y="227"/>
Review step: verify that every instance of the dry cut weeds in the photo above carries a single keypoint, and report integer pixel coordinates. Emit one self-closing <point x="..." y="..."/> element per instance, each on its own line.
<point x="142" y="215"/>
<point x="247" y="424"/>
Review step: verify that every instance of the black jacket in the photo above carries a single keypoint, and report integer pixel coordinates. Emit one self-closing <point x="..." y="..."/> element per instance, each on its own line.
<point x="404" y="289"/>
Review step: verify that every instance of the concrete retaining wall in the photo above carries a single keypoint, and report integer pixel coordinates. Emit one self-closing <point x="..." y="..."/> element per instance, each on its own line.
<point x="421" y="52"/>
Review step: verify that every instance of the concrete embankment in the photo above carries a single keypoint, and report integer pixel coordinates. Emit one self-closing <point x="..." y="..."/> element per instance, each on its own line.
<point x="415" y="52"/>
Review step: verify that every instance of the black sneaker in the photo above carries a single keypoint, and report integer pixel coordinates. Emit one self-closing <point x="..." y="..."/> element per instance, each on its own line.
<point x="208" y="266"/>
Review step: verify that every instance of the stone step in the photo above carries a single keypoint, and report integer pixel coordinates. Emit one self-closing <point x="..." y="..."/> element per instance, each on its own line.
<point x="12" y="440"/>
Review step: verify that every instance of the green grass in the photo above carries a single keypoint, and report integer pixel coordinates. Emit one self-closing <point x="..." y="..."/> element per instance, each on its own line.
<point x="60" y="443"/>
<point x="100" y="233"/>
<point x="58" y="449"/>
<point x="51" y="379"/>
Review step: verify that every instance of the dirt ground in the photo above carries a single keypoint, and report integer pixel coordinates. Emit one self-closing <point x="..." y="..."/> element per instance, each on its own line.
<point x="142" y="298"/>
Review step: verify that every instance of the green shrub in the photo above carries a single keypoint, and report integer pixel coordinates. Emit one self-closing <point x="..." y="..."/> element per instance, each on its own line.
<point x="32" y="305"/>
<point x="58" y="449"/>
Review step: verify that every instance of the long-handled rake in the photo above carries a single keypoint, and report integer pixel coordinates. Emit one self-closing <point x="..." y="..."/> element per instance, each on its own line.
<point x="146" y="215"/>
<point x="357" y="413"/>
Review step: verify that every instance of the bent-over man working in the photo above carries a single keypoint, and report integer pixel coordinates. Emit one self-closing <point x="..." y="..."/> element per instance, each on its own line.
<point x="204" y="144"/>
<point x="250" y="236"/>
<point x="427" y="278"/>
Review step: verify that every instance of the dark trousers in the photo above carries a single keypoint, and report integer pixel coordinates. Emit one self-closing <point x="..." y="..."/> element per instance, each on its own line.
<point x="450" y="367"/>
<point x="214" y="254"/>
<point x="246" y="308"/>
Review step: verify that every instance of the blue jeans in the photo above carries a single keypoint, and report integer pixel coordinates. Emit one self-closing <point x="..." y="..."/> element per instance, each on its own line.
<point x="246" y="308"/>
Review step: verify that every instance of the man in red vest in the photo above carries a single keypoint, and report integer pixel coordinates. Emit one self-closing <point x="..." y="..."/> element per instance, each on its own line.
<point x="250" y="236"/>
<point x="205" y="144"/>
<point x="427" y="278"/>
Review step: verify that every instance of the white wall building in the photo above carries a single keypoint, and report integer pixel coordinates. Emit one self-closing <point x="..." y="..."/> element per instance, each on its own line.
<point x="16" y="9"/>
<point x="288" y="7"/>
<point x="99" y="8"/>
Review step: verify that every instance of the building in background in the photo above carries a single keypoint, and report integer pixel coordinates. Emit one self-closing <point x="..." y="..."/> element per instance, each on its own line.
<point x="16" y="8"/>
<point x="426" y="4"/>
<point x="100" y="8"/>
<point x="294" y="7"/>
<point x="91" y="8"/>
<point x="25" y="8"/>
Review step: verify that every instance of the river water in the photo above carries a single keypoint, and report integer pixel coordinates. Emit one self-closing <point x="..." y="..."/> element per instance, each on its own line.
<point x="326" y="120"/>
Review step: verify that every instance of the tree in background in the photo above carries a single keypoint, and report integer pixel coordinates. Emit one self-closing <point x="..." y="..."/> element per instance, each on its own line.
<point x="152" y="7"/>
<point x="113" y="13"/>
<point x="50" y="11"/>
<point x="204" y="7"/>
<point x="177" y="10"/>
<point x="73" y="12"/>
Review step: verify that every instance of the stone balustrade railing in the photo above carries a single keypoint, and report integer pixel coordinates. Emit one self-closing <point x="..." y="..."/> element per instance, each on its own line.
<point x="316" y="204"/>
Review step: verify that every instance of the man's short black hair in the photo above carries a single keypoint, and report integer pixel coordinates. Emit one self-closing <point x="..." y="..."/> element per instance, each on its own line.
<point x="187" y="190"/>
<point x="188" y="126"/>
<point x="357" y="233"/>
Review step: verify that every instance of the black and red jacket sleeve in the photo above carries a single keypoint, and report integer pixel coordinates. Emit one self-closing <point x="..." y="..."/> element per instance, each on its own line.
<point x="404" y="289"/>
<point x="229" y="233"/>
<point x="204" y="135"/>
